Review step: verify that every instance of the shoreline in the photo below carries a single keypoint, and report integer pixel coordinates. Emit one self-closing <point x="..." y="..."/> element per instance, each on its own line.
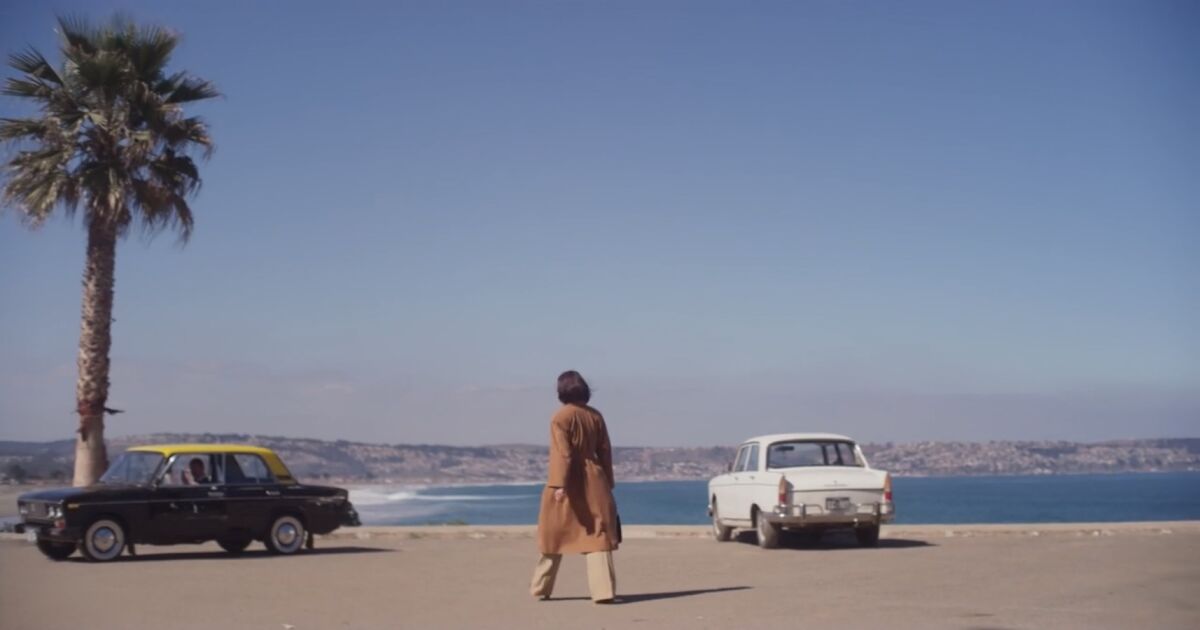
<point x="425" y="482"/>
<point x="643" y="532"/>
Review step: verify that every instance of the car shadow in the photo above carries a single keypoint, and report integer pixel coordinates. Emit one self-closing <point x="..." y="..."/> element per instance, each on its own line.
<point x="832" y="541"/>
<point x="634" y="598"/>
<point x="257" y="554"/>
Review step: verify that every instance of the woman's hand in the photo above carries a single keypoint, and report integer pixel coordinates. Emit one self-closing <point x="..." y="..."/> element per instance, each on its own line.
<point x="560" y="495"/>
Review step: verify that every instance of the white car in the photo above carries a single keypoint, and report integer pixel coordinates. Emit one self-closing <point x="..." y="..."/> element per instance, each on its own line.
<point x="802" y="482"/>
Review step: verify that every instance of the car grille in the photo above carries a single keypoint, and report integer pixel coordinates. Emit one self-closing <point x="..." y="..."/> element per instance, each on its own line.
<point x="36" y="510"/>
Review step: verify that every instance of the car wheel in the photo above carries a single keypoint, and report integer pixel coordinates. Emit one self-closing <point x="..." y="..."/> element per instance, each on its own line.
<point x="103" y="541"/>
<point x="234" y="545"/>
<point x="286" y="535"/>
<point x="868" y="536"/>
<point x="768" y="532"/>
<point x="720" y="532"/>
<point x="55" y="550"/>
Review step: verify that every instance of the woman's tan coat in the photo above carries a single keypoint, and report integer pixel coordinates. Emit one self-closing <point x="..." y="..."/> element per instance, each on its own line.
<point x="581" y="464"/>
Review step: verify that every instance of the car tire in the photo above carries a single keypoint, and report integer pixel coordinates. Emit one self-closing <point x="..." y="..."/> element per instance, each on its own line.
<point x="103" y="540"/>
<point x="234" y="545"/>
<point x="286" y="535"/>
<point x="768" y="532"/>
<point x="867" y="536"/>
<point x="55" y="550"/>
<point x="720" y="532"/>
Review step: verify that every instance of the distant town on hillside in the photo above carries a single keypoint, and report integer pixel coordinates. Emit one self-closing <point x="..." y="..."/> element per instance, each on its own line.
<point x="419" y="463"/>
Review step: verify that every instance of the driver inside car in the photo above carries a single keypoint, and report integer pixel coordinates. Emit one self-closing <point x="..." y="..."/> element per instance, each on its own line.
<point x="195" y="474"/>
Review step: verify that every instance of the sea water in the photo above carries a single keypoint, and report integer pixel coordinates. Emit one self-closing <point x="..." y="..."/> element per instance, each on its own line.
<point x="941" y="500"/>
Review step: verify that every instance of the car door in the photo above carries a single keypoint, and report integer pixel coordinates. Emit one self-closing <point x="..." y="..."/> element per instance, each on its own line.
<point x="252" y="491"/>
<point x="724" y="488"/>
<point x="734" y="507"/>
<point x="186" y="507"/>
<point x="745" y="481"/>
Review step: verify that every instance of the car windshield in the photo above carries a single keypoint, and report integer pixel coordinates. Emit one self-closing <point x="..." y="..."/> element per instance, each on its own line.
<point x="132" y="468"/>
<point x="796" y="454"/>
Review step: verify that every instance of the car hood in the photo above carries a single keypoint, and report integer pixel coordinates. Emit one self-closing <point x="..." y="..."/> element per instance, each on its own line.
<point x="75" y="494"/>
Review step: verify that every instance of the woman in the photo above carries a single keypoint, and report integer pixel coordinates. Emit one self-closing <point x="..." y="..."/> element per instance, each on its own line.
<point x="578" y="514"/>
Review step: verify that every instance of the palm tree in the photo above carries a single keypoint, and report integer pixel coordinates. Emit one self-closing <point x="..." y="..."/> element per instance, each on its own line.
<point x="110" y="137"/>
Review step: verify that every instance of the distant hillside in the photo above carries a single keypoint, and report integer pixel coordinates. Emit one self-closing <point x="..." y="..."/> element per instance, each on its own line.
<point x="422" y="463"/>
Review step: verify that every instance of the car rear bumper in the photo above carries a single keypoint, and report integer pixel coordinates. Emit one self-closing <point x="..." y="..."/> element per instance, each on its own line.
<point x="349" y="517"/>
<point x="858" y="514"/>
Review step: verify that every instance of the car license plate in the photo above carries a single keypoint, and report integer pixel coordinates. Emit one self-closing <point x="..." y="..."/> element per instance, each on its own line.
<point x="31" y="534"/>
<point x="837" y="504"/>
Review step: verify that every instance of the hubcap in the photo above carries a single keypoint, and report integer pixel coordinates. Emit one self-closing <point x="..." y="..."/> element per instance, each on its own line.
<point x="104" y="539"/>
<point x="286" y="534"/>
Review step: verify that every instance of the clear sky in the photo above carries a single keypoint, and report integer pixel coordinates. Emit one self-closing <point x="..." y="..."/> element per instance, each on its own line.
<point x="902" y="221"/>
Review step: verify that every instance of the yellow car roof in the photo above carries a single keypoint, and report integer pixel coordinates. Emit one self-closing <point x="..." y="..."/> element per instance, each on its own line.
<point x="276" y="465"/>
<point x="171" y="449"/>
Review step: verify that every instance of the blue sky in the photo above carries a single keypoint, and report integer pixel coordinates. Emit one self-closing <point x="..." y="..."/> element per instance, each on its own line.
<point x="903" y="221"/>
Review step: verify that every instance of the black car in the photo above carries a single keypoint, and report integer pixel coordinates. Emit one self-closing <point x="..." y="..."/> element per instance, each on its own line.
<point x="185" y="493"/>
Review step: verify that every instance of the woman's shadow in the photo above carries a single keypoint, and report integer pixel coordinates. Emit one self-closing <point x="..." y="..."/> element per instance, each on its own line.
<point x="634" y="598"/>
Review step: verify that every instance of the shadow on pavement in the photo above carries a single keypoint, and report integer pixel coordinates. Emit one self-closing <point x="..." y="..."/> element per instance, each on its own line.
<point x="832" y="541"/>
<point x="258" y="554"/>
<point x="648" y="597"/>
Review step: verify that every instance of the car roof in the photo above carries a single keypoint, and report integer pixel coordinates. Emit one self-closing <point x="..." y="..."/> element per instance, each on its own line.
<point x="171" y="449"/>
<point x="786" y="437"/>
<point x="281" y="472"/>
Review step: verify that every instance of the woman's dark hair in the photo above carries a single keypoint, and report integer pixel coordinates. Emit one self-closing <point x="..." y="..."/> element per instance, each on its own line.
<point x="573" y="389"/>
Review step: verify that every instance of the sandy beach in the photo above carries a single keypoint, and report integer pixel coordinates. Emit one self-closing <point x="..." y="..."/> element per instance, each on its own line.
<point x="1076" y="576"/>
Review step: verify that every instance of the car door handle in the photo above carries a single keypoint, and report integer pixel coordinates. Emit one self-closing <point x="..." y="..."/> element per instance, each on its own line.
<point x="272" y="493"/>
<point x="216" y="494"/>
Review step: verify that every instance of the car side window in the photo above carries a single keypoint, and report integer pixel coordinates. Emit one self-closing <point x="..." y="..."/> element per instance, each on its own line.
<point x="848" y="458"/>
<point x="752" y="460"/>
<point x="246" y="468"/>
<point x="740" y="463"/>
<point x="193" y="469"/>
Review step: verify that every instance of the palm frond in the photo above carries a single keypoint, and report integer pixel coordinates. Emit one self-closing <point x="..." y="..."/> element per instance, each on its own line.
<point x="39" y="180"/>
<point x="36" y="89"/>
<point x="191" y="89"/>
<point x="150" y="50"/>
<point x="185" y="133"/>
<point x="78" y="34"/>
<point x="32" y="63"/>
<point x="105" y="74"/>
<point x="161" y="207"/>
<point x="13" y="129"/>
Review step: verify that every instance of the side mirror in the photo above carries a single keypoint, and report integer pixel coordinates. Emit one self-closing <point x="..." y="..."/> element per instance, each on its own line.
<point x="729" y="467"/>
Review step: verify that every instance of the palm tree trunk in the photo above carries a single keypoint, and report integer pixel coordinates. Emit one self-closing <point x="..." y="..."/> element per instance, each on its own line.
<point x="95" y="339"/>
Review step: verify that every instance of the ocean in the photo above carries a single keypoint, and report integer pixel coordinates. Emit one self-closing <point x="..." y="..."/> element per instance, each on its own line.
<point x="919" y="500"/>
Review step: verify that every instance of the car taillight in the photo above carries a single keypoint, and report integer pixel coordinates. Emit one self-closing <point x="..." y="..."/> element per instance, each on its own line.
<point x="887" y="487"/>
<point x="783" y="491"/>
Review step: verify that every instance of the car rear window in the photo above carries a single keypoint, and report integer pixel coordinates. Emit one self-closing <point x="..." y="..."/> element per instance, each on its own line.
<point x="800" y="453"/>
